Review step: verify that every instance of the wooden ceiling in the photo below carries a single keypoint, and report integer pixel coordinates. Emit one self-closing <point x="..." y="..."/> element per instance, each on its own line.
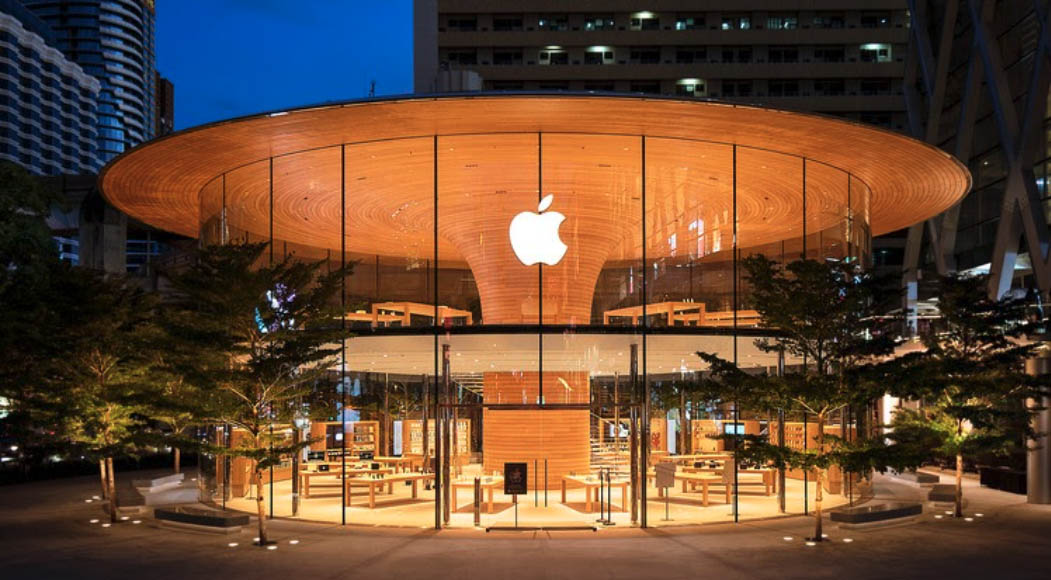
<point x="488" y="151"/>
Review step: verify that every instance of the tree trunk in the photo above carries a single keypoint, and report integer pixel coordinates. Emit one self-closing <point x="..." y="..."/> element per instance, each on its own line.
<point x="260" y="506"/>
<point x="958" y="500"/>
<point x="103" y="479"/>
<point x="178" y="460"/>
<point x="819" y="480"/>
<point x="819" y="477"/>
<point x="111" y="484"/>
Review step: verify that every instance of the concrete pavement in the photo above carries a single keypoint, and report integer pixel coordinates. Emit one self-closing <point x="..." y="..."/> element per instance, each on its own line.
<point x="45" y="533"/>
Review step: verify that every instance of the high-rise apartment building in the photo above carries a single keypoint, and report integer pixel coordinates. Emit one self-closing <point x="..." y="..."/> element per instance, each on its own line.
<point x="47" y="102"/>
<point x="841" y="57"/>
<point x="113" y="41"/>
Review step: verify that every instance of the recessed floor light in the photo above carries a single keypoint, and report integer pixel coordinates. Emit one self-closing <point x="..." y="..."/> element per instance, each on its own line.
<point x="95" y="497"/>
<point x="106" y="525"/>
<point x="232" y="544"/>
<point x="95" y="520"/>
<point x="848" y="540"/>
<point x="811" y="544"/>
<point x="787" y="538"/>
<point x="948" y="513"/>
<point x="968" y="519"/>
<point x="938" y="517"/>
<point x="136" y="521"/>
<point x="124" y="518"/>
<point x="255" y="539"/>
<point x="978" y="515"/>
<point x="271" y="547"/>
<point x="824" y="535"/>
<point x="88" y="501"/>
<point x="293" y="542"/>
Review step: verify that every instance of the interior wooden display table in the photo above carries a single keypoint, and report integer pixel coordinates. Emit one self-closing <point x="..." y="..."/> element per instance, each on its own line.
<point x="692" y="480"/>
<point x="689" y="459"/>
<point x="389" y="480"/>
<point x="768" y="476"/>
<point x="336" y="474"/>
<point x="591" y="487"/>
<point x="396" y="463"/>
<point x="405" y="311"/>
<point x="488" y="484"/>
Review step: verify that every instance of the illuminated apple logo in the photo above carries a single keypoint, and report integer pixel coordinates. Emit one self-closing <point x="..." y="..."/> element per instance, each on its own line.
<point x="534" y="236"/>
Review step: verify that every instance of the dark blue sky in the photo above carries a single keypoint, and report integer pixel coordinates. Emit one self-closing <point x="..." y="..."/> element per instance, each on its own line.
<point x="236" y="57"/>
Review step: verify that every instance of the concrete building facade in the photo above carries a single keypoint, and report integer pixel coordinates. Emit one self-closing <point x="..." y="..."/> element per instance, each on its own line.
<point x="833" y="57"/>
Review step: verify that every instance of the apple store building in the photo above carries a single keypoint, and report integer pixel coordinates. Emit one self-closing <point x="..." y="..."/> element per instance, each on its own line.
<point x="532" y="276"/>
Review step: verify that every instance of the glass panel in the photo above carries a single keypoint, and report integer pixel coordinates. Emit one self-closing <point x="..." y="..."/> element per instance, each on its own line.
<point x="248" y="204"/>
<point x="826" y="211"/>
<point x="390" y="234"/>
<point x="307" y="205"/>
<point x="485" y="182"/>
<point x="212" y="229"/>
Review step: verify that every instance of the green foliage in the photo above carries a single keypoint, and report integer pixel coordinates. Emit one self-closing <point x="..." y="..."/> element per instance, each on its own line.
<point x="101" y="387"/>
<point x="969" y="382"/>
<point x="257" y="341"/>
<point x="824" y="314"/>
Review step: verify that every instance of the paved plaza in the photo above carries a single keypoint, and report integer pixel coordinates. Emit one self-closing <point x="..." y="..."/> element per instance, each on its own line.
<point x="45" y="532"/>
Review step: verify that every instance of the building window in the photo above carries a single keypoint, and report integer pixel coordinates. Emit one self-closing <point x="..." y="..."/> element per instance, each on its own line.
<point x="737" y="88"/>
<point x="828" y="20"/>
<point x="554" y="56"/>
<point x="742" y="54"/>
<point x="690" y="88"/>
<point x="689" y="22"/>
<point x="507" y="23"/>
<point x="829" y="87"/>
<point x="645" y="55"/>
<point x="782" y="54"/>
<point x="647" y="87"/>
<point x="507" y="56"/>
<point x="782" y="22"/>
<point x="783" y="88"/>
<point x="644" y="21"/>
<point x="875" y="19"/>
<point x="507" y="85"/>
<point x="736" y="22"/>
<point x="463" y="23"/>
<point x="875" y="86"/>
<point x="875" y="53"/>
<point x="598" y="55"/>
<point x="604" y="22"/>
<point x="554" y="22"/>
<point x="462" y="56"/>
<point x="829" y="54"/>
<point x="691" y="54"/>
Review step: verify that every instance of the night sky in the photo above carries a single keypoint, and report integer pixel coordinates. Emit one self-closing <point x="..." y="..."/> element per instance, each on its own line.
<point x="237" y="57"/>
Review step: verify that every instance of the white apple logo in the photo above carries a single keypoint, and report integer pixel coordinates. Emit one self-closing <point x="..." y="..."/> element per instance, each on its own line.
<point x="534" y="236"/>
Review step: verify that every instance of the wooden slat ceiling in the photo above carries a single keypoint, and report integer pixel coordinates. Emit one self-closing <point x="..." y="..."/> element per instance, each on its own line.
<point x="487" y="172"/>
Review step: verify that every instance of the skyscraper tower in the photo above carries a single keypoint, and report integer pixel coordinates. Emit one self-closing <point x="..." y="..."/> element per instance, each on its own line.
<point x="113" y="41"/>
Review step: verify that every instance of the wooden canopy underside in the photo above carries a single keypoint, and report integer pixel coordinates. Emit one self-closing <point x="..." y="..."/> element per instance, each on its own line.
<point x="491" y="150"/>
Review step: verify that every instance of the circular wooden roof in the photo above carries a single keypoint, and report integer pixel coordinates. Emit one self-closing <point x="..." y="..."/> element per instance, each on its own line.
<point x="492" y="139"/>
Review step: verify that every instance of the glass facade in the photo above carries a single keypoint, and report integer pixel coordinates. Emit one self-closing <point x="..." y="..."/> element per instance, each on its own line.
<point x="538" y="299"/>
<point x="113" y="41"/>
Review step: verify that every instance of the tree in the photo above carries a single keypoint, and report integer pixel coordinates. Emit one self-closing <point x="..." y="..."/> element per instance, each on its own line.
<point x="823" y="314"/>
<point x="970" y="380"/>
<point x="267" y="337"/>
<point x="29" y="264"/>
<point x="100" y="386"/>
